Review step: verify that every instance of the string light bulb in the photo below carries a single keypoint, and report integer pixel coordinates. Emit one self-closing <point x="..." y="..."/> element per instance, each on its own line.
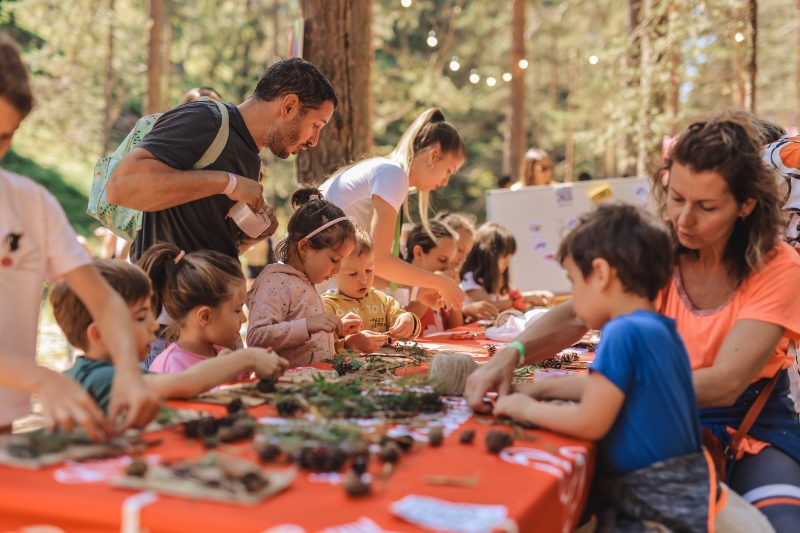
<point x="474" y="77"/>
<point x="507" y="76"/>
<point x="491" y="81"/>
<point x="406" y="3"/>
<point x="739" y="37"/>
<point x="523" y="64"/>
<point x="454" y="64"/>
<point x="593" y="60"/>
<point x="432" y="40"/>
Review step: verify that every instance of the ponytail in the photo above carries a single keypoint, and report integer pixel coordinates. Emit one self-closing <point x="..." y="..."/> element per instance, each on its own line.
<point x="429" y="128"/>
<point x="182" y="282"/>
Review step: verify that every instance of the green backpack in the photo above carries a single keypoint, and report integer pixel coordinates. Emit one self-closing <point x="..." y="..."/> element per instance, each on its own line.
<point x="124" y="221"/>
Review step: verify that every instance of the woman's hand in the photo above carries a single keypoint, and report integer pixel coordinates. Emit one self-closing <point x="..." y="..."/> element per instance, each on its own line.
<point x="493" y="376"/>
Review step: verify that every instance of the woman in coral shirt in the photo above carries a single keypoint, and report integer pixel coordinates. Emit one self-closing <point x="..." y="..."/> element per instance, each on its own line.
<point x="735" y="296"/>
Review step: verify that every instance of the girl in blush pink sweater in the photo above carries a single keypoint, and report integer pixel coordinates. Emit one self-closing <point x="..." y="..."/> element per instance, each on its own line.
<point x="286" y="313"/>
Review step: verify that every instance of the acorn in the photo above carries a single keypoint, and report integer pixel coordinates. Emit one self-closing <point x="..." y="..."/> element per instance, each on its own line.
<point x="467" y="436"/>
<point x="268" y="451"/>
<point x="266" y="385"/>
<point x="360" y="464"/>
<point x="390" y="453"/>
<point x="254" y="482"/>
<point x="235" y="406"/>
<point x="137" y="468"/>
<point x="435" y="436"/>
<point x="356" y="487"/>
<point x="497" y="440"/>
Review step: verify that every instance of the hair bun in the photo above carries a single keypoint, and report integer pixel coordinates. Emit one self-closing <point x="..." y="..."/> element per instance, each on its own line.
<point x="437" y="115"/>
<point x="304" y="195"/>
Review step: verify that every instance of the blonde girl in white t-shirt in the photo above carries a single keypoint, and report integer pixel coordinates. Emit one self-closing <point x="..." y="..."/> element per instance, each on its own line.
<point x="428" y="154"/>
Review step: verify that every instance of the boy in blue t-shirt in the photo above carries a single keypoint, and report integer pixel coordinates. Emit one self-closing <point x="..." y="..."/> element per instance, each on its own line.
<point x="638" y="399"/>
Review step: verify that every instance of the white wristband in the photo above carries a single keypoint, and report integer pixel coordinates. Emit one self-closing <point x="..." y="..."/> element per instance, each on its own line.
<point x="231" y="184"/>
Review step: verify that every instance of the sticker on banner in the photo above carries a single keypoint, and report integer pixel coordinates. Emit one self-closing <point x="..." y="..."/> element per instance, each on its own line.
<point x="537" y="245"/>
<point x="571" y="223"/>
<point x="564" y="195"/>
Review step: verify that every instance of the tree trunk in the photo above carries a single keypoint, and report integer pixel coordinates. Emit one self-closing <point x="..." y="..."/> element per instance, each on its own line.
<point x="166" y="60"/>
<point x="108" y="115"/>
<point x="645" y="91"/>
<point x="752" y="66"/>
<point x="516" y="138"/>
<point x="673" y="95"/>
<point x="154" y="57"/>
<point x="276" y="30"/>
<point x="572" y="84"/>
<point x="797" y="66"/>
<point x="338" y="40"/>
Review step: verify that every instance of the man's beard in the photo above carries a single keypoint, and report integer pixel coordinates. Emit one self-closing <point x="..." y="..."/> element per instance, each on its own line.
<point x="280" y="141"/>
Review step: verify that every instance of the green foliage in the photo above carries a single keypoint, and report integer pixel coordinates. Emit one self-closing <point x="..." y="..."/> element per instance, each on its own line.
<point x="71" y="198"/>
<point x="598" y="109"/>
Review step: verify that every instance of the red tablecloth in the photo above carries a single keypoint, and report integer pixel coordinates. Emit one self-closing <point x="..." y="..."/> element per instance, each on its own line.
<point x="543" y="482"/>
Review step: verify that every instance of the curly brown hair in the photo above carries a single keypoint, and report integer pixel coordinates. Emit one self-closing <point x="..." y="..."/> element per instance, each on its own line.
<point x="727" y="143"/>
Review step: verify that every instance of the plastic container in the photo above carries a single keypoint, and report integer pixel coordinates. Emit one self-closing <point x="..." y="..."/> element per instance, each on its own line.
<point x="252" y="224"/>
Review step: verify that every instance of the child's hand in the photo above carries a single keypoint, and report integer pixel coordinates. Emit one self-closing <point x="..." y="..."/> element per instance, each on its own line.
<point x="366" y="341"/>
<point x="351" y="323"/>
<point x="132" y="396"/>
<point x="266" y="363"/>
<point x="65" y="405"/>
<point x="514" y="406"/>
<point x="482" y="310"/>
<point x="326" y="321"/>
<point x="403" y="327"/>
<point x="539" y="298"/>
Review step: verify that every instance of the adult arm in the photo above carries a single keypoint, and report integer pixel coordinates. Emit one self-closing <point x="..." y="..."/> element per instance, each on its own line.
<point x="555" y="330"/>
<point x="215" y="371"/>
<point x="744" y="352"/>
<point x="141" y="181"/>
<point x="113" y="318"/>
<point x="389" y="267"/>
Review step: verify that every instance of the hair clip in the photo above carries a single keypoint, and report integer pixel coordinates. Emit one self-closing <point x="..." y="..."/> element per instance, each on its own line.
<point x="179" y="257"/>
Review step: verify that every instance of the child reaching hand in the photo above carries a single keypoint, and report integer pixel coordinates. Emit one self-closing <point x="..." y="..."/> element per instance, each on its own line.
<point x="203" y="294"/>
<point x="286" y="313"/>
<point x="94" y="371"/>
<point x="381" y="315"/>
<point x="638" y="400"/>
<point x="484" y="276"/>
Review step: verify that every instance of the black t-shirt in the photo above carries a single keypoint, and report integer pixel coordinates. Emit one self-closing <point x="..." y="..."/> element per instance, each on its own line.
<point x="179" y="139"/>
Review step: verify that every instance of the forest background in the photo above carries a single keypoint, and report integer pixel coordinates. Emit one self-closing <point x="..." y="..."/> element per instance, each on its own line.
<point x="596" y="83"/>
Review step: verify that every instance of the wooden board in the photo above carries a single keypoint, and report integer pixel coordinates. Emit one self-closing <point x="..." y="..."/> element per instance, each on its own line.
<point x="164" y="480"/>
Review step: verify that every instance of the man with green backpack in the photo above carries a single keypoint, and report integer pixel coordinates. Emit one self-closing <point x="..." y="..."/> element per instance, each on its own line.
<point x="201" y="158"/>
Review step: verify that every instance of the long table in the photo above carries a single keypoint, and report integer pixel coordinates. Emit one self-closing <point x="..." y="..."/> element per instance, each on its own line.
<point x="542" y="481"/>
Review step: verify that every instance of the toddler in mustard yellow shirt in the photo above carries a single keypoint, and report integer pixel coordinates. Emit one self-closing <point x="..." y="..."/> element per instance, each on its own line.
<point x="381" y="315"/>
